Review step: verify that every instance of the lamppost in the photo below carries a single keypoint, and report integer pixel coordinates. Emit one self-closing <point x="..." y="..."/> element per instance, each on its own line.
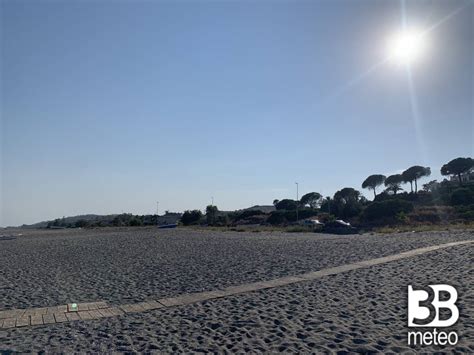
<point x="157" y="212"/>
<point x="297" y="185"/>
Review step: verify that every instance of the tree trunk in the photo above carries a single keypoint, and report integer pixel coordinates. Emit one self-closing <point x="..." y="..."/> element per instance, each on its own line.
<point x="411" y="186"/>
<point x="416" y="186"/>
<point x="460" y="180"/>
<point x="375" y="195"/>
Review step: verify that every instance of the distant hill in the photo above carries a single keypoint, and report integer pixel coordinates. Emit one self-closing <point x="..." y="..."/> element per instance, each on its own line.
<point x="74" y="219"/>
<point x="263" y="208"/>
<point x="125" y="218"/>
<point x="106" y="220"/>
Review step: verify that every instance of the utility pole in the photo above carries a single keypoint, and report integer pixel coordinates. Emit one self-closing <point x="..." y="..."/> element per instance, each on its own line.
<point x="297" y="185"/>
<point x="212" y="200"/>
<point x="157" y="210"/>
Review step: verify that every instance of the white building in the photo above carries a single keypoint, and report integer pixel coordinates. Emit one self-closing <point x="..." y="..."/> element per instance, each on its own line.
<point x="466" y="177"/>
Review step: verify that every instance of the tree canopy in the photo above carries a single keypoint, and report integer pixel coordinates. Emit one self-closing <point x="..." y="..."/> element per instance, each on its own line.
<point x="373" y="181"/>
<point x="462" y="196"/>
<point x="430" y="186"/>
<point x="457" y="167"/>
<point x="347" y="194"/>
<point x="286" y="204"/>
<point x="414" y="173"/>
<point x="211" y="213"/>
<point x="347" y="203"/>
<point x="393" y="183"/>
<point x="191" y="217"/>
<point x="312" y="199"/>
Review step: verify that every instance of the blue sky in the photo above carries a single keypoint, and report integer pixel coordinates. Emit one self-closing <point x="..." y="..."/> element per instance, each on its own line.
<point x="110" y="106"/>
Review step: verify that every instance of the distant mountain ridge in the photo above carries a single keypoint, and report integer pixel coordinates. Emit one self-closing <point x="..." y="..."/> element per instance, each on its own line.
<point x="107" y="219"/>
<point x="74" y="219"/>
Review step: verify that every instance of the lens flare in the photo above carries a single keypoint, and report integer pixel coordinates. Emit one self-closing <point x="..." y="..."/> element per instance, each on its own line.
<point x="406" y="46"/>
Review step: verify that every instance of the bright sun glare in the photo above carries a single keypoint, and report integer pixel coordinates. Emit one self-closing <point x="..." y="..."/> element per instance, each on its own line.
<point x="406" y="46"/>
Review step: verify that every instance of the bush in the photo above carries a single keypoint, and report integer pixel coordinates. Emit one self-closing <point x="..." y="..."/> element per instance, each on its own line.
<point x="286" y="204"/>
<point x="465" y="212"/>
<point x="277" y="218"/>
<point x="420" y="198"/>
<point x="384" y="195"/>
<point x="135" y="222"/>
<point x="191" y="217"/>
<point x="469" y="215"/>
<point x="401" y="217"/>
<point x="464" y="208"/>
<point x="258" y="219"/>
<point x="211" y="214"/>
<point x="462" y="196"/>
<point x="82" y="223"/>
<point x="302" y="214"/>
<point x="222" y="220"/>
<point x="427" y="215"/>
<point x="247" y="214"/>
<point x="351" y="210"/>
<point x="387" y="208"/>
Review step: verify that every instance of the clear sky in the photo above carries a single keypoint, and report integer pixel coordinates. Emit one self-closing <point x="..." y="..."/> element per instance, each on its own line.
<point x="110" y="106"/>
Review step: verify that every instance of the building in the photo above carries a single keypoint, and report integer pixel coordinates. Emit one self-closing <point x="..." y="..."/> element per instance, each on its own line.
<point x="465" y="178"/>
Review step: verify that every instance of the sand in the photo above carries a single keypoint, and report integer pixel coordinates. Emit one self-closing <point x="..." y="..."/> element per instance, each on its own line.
<point x="362" y="310"/>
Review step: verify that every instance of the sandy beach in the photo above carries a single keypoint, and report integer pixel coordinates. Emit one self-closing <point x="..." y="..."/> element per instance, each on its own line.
<point x="362" y="310"/>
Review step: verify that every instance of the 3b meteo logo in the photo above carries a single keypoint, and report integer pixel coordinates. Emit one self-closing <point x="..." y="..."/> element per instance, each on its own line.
<point x="424" y="308"/>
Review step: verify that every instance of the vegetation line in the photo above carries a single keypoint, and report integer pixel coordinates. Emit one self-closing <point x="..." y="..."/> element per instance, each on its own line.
<point x="449" y="202"/>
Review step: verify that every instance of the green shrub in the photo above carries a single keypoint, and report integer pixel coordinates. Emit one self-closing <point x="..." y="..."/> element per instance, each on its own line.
<point x="191" y="217"/>
<point x="427" y="215"/>
<point x="247" y="214"/>
<point x="387" y="208"/>
<point x="302" y="214"/>
<point x="401" y="217"/>
<point x="135" y="222"/>
<point x="277" y="218"/>
<point x="211" y="214"/>
<point x="286" y="204"/>
<point x="222" y="220"/>
<point x="469" y="215"/>
<point x="462" y="196"/>
<point x="82" y="223"/>
<point x="464" y="208"/>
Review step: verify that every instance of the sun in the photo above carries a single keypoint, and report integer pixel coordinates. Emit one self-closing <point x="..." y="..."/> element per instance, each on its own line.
<point x="406" y="46"/>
